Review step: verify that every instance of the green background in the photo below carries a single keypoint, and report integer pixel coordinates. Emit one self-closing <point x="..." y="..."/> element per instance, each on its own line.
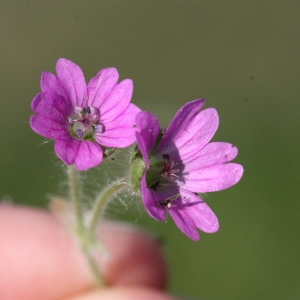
<point x="242" y="56"/>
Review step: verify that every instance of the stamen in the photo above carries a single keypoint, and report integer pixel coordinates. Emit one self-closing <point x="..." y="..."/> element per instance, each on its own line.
<point x="167" y="171"/>
<point x="94" y="111"/>
<point x="99" y="128"/>
<point x="70" y="121"/>
<point x="79" y="133"/>
<point x="167" y="202"/>
<point x="84" y="122"/>
<point x="78" y="110"/>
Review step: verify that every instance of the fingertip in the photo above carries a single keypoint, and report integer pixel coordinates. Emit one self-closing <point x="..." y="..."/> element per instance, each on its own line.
<point x="38" y="253"/>
<point x="124" y="293"/>
<point x="136" y="257"/>
<point x="39" y="259"/>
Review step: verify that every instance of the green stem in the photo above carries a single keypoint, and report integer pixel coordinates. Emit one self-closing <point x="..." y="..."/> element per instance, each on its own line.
<point x="86" y="234"/>
<point x="82" y="233"/>
<point x="93" y="267"/>
<point x="74" y="187"/>
<point x="102" y="201"/>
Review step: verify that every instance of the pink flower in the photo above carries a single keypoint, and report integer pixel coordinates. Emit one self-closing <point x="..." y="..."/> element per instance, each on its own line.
<point x="181" y="163"/>
<point x="81" y="118"/>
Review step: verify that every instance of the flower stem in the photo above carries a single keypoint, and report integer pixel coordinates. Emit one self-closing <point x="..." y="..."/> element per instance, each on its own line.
<point x="81" y="230"/>
<point x="74" y="188"/>
<point x="93" y="267"/>
<point x="86" y="233"/>
<point x="102" y="201"/>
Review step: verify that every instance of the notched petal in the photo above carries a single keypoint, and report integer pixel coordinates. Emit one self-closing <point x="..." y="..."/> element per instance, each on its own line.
<point x="147" y="129"/>
<point x="72" y="79"/>
<point x="191" y="212"/>
<point x="85" y="154"/>
<point x="117" y="102"/>
<point x="213" y="179"/>
<point x="190" y="130"/>
<point x="49" y="128"/>
<point x="120" y="133"/>
<point x="101" y="86"/>
<point x="51" y="84"/>
<point x="212" y="154"/>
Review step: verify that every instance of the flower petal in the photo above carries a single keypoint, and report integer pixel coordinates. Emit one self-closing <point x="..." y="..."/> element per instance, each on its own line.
<point x="189" y="131"/>
<point x="181" y="121"/>
<point x="52" y="106"/>
<point x="51" y="119"/>
<point x="85" y="154"/>
<point x="49" y="128"/>
<point x="151" y="199"/>
<point x="215" y="178"/>
<point x="190" y="212"/>
<point x="72" y="80"/>
<point x="120" y="133"/>
<point x="101" y="86"/>
<point x="146" y="133"/>
<point x="117" y="102"/>
<point x="212" y="154"/>
<point x="51" y="84"/>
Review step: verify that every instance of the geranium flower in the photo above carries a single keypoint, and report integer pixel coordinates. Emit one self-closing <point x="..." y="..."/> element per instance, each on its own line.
<point x="82" y="117"/>
<point x="181" y="163"/>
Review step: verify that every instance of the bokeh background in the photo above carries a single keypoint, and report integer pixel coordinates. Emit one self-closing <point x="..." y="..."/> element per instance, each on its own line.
<point x="242" y="56"/>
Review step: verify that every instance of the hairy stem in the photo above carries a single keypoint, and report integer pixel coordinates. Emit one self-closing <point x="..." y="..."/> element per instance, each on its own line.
<point x="85" y="239"/>
<point x="74" y="190"/>
<point x="93" y="266"/>
<point x="101" y="202"/>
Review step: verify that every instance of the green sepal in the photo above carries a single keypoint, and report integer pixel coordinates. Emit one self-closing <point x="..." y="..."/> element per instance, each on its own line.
<point x="137" y="172"/>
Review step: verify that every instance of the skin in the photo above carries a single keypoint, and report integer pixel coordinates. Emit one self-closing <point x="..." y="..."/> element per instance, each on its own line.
<point x="39" y="259"/>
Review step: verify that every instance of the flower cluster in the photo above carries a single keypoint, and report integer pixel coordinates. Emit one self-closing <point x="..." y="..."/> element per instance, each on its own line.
<point x="169" y="168"/>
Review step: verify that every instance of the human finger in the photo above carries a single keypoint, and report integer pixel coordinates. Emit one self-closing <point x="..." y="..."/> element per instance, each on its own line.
<point x="41" y="260"/>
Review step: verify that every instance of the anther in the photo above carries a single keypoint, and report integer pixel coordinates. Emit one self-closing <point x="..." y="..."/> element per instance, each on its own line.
<point x="166" y="156"/>
<point x="78" y="110"/>
<point x="79" y="133"/>
<point x="99" y="128"/>
<point x="167" y="202"/>
<point x="70" y="121"/>
<point x="155" y="185"/>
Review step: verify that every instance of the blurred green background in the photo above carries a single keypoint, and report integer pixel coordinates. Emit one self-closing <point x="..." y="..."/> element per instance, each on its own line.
<point x="242" y="57"/>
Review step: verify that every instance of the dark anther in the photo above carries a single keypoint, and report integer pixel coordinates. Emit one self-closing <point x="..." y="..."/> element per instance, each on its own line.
<point x="79" y="133"/>
<point x="155" y="186"/>
<point x="166" y="156"/>
<point x="167" y="202"/>
<point x="99" y="128"/>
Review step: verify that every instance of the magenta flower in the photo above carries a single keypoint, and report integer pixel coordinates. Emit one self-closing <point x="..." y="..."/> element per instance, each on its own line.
<point x="82" y="117"/>
<point x="183" y="163"/>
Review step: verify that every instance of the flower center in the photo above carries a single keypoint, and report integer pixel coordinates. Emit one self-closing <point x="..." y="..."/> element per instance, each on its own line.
<point x="162" y="173"/>
<point x="84" y="122"/>
<point x="168" y="172"/>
